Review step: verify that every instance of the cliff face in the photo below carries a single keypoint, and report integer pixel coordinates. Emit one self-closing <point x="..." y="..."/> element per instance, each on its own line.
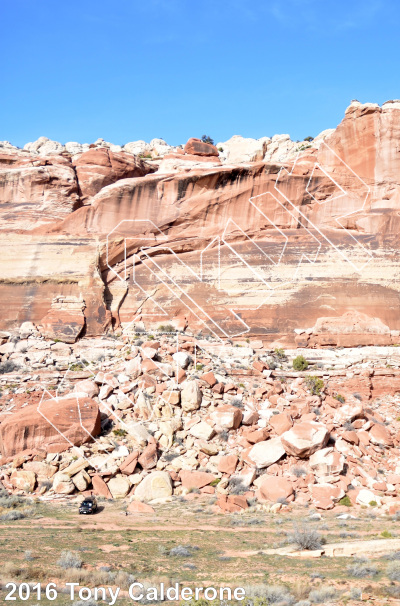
<point x="265" y="247"/>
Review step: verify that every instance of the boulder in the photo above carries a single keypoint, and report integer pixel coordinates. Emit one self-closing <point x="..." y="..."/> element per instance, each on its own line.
<point x="327" y="462"/>
<point x="281" y="422"/>
<point x="227" y="464"/>
<point x="100" y="167"/>
<point x="202" y="431"/>
<point x="273" y="488"/>
<point x="196" y="479"/>
<point x="191" y="396"/>
<point x="54" y="423"/>
<point x="100" y="487"/>
<point x="227" y="417"/>
<point x="209" y="378"/>
<point x="368" y="498"/>
<point x="139" y="507"/>
<point x="380" y="435"/>
<point x="128" y="466"/>
<point x="75" y="467"/>
<point x="239" y="149"/>
<point x="232" y="503"/>
<point x="197" y="147"/>
<point x="43" y="471"/>
<point x="182" y="359"/>
<point x="23" y="480"/>
<point x="148" y="458"/>
<point x="157" y="485"/>
<point x="62" y="483"/>
<point x="305" y="438"/>
<point x="119" y="486"/>
<point x="326" y="495"/>
<point x="90" y="388"/>
<point x="81" y="481"/>
<point x="264" y="454"/>
<point x="64" y="325"/>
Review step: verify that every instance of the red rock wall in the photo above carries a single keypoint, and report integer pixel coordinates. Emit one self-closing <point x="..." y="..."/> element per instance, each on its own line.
<point x="321" y="238"/>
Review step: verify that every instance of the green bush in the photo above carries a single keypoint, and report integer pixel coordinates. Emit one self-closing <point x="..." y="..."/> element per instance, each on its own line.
<point x="207" y="139"/>
<point x="300" y="363"/>
<point x="166" y="328"/>
<point x="315" y="385"/>
<point x="340" y="398"/>
<point x="346" y="501"/>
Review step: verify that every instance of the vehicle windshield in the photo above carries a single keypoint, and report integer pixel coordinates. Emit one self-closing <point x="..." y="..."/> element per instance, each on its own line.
<point x="87" y="504"/>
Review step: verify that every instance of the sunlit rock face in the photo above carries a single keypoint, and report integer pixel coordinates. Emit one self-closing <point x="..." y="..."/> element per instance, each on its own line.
<point x="229" y="246"/>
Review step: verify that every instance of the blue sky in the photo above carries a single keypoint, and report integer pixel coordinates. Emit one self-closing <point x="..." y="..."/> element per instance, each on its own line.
<point x="126" y="69"/>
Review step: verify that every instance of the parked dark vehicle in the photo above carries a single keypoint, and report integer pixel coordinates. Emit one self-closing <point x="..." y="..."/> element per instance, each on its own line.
<point x="88" y="506"/>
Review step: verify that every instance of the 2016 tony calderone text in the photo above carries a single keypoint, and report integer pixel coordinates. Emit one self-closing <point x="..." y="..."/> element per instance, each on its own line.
<point x="136" y="592"/>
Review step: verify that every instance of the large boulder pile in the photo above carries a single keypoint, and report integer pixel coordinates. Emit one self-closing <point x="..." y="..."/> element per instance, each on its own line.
<point x="123" y="419"/>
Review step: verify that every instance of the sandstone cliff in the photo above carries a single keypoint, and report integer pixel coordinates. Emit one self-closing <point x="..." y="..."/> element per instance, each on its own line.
<point x="228" y="245"/>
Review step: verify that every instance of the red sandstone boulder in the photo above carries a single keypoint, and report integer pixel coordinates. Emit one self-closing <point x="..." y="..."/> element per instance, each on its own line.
<point x="100" y="487"/>
<point x="129" y="465"/>
<point x="148" y="458"/>
<point x="54" y="424"/>
<point x="232" y="503"/>
<point x="326" y="495"/>
<point x="380" y="435"/>
<point x="198" y="148"/>
<point x="139" y="507"/>
<point x="100" y="167"/>
<point x="196" y="479"/>
<point x="227" y="417"/>
<point x="64" y="325"/>
<point x="228" y="464"/>
<point x="305" y="438"/>
<point x="281" y="422"/>
<point x="273" y="488"/>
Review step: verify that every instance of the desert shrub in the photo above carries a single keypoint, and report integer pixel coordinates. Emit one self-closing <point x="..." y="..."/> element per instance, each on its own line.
<point x="170" y="456"/>
<point x="236" y="486"/>
<point x="386" y="534"/>
<point x="300" y="363"/>
<point x="180" y="551"/>
<point x="393" y="571"/>
<point x="315" y="385"/>
<point x="270" y="594"/>
<point x="355" y="593"/>
<point x="69" y="559"/>
<point x="224" y="435"/>
<point x="207" y="139"/>
<point x="305" y="537"/>
<point x="280" y="353"/>
<point x="166" y="328"/>
<point x="340" y="398"/>
<point x="362" y="568"/>
<point x="8" y="366"/>
<point x="9" y="501"/>
<point x="237" y="402"/>
<point x="298" y="471"/>
<point x="322" y="595"/>
<point x="309" y="139"/>
<point x="346" y="501"/>
<point x="392" y="556"/>
<point x="10" y="516"/>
